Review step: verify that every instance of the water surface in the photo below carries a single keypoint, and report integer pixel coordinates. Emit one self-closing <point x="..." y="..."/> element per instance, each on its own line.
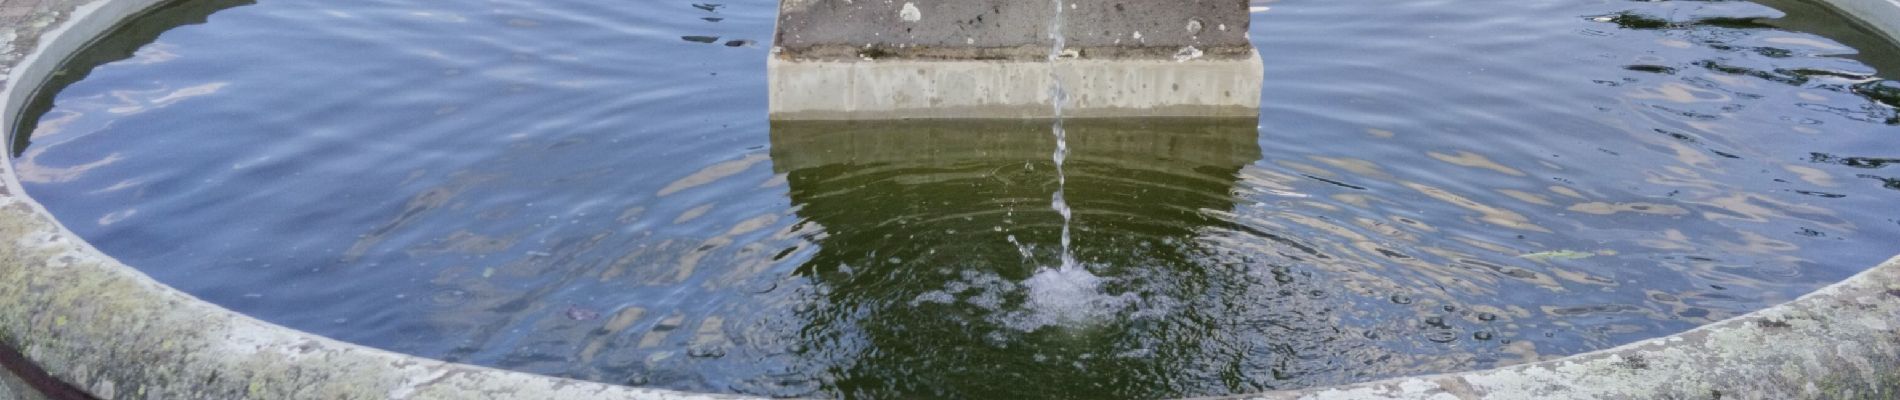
<point x="593" y="190"/>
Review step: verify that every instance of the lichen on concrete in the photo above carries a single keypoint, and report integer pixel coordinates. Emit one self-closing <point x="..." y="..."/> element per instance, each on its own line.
<point x="22" y="22"/>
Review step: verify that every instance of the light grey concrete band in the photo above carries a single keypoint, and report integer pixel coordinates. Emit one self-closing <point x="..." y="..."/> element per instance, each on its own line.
<point x="91" y="321"/>
<point x="905" y="89"/>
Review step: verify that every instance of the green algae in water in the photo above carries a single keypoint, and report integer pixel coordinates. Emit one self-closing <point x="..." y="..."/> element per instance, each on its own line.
<point x="571" y="188"/>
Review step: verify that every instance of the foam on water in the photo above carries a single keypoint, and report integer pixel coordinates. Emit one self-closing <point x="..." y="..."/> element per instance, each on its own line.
<point x="1053" y="297"/>
<point x="1067" y="297"/>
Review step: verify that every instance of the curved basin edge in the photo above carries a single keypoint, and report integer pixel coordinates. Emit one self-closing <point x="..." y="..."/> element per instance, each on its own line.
<point x="113" y="332"/>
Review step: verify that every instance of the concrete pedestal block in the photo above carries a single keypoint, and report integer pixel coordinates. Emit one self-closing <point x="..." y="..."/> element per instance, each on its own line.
<point x="862" y="59"/>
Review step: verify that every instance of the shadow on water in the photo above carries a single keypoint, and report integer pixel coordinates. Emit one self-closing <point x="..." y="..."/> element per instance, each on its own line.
<point x="932" y="229"/>
<point x="121" y="43"/>
<point x="1812" y="17"/>
<point x="1795" y="15"/>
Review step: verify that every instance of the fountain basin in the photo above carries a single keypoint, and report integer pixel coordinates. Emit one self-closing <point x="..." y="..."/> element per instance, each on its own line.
<point x="104" y="328"/>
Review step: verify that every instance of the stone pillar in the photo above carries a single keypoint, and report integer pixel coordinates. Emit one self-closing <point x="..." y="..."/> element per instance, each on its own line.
<point x="882" y="59"/>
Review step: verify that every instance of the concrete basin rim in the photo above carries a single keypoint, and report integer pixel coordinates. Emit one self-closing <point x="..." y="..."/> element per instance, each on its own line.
<point x="421" y="377"/>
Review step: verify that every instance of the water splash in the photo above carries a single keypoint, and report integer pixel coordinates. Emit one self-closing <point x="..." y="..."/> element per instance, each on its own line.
<point x="1068" y="294"/>
<point x="1053" y="297"/>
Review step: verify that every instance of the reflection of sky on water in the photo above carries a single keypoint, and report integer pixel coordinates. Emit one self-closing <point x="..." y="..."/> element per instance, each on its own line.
<point x="1416" y="197"/>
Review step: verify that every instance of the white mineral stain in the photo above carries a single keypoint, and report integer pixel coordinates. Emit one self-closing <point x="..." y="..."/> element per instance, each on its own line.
<point x="910" y="13"/>
<point x="1187" y="53"/>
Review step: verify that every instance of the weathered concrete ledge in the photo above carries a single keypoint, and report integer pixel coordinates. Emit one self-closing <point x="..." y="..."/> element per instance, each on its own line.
<point x="1010" y="29"/>
<point x="992" y="59"/>
<point x="105" y="328"/>
<point x="901" y="89"/>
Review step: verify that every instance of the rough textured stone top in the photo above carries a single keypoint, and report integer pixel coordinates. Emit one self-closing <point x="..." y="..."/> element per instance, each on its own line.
<point x="1011" y="29"/>
<point x="21" y="22"/>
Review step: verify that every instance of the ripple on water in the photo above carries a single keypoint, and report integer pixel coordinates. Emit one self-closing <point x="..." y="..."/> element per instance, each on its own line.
<point x="443" y="179"/>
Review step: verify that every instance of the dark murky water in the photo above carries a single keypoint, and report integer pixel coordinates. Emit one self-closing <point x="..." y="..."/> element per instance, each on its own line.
<point x="591" y="189"/>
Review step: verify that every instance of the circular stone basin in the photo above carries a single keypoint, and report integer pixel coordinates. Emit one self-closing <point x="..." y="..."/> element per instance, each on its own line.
<point x="594" y="191"/>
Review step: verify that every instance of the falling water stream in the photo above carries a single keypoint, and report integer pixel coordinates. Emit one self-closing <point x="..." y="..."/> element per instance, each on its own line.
<point x="1057" y="97"/>
<point x="1067" y="295"/>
